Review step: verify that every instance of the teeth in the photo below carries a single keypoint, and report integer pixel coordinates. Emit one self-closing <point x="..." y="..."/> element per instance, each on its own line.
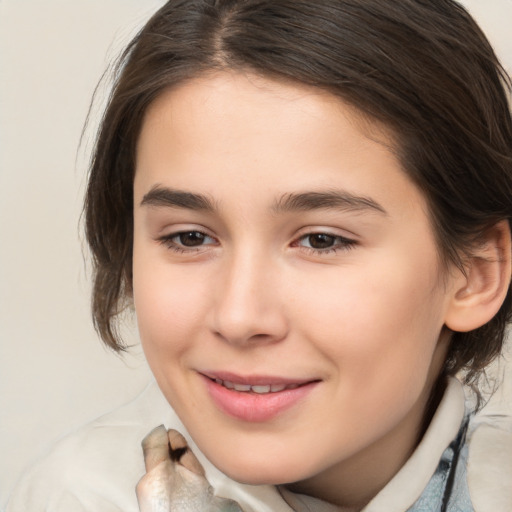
<point x="242" y="387"/>
<point x="261" y="390"/>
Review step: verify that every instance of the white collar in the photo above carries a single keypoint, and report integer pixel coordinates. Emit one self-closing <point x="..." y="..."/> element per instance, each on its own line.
<point x="407" y="485"/>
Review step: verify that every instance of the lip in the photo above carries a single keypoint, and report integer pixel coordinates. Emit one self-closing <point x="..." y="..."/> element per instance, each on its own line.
<point x="255" y="380"/>
<point x="255" y="407"/>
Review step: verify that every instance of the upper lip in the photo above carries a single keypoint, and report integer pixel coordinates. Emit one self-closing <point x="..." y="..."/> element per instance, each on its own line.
<point x="256" y="380"/>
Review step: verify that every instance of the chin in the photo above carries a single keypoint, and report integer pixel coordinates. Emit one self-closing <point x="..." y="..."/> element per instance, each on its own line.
<point x="267" y="473"/>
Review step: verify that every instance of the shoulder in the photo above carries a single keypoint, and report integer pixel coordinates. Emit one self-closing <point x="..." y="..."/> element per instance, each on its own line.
<point x="97" y="466"/>
<point x="490" y="464"/>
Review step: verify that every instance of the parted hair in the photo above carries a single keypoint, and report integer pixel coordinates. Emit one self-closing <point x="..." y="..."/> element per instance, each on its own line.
<point x="423" y="68"/>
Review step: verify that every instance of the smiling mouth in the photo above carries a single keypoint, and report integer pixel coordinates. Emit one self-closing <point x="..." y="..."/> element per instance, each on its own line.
<point x="256" y="398"/>
<point x="258" y="389"/>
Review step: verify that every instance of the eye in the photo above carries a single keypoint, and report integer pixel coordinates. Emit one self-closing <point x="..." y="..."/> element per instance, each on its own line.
<point x="324" y="242"/>
<point x="184" y="241"/>
<point x="320" y="241"/>
<point x="190" y="238"/>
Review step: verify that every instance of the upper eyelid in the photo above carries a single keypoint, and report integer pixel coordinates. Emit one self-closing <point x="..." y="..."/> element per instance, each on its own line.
<point x="331" y="231"/>
<point x="172" y="230"/>
<point x="300" y="234"/>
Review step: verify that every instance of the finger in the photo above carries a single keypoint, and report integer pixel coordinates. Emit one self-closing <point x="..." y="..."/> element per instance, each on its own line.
<point x="190" y="461"/>
<point x="180" y="451"/>
<point x="155" y="447"/>
<point x="176" y="441"/>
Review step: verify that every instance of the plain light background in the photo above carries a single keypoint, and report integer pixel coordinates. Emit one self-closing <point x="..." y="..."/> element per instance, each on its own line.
<point x="54" y="373"/>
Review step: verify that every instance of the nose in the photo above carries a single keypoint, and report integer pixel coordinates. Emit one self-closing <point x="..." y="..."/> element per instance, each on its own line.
<point x="247" y="304"/>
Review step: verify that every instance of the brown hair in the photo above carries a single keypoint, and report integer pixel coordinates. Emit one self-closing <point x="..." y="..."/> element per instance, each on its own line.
<point x="422" y="67"/>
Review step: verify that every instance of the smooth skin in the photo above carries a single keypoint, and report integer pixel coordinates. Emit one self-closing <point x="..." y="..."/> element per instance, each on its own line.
<point x="276" y="234"/>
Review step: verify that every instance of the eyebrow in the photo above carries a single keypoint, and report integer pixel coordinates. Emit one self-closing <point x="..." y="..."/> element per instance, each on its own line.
<point x="330" y="199"/>
<point x="171" y="198"/>
<point x="160" y="196"/>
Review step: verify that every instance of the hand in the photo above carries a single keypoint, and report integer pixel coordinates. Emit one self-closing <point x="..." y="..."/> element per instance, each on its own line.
<point x="175" y="480"/>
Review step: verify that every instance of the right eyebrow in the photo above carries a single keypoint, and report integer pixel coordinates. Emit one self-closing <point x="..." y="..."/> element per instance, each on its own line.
<point x="171" y="198"/>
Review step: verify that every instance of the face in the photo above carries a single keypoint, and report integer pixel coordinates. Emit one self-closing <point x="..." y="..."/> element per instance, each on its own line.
<point x="286" y="280"/>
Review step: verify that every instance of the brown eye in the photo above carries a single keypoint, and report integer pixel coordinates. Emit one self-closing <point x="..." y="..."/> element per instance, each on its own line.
<point x="190" y="238"/>
<point x="187" y="241"/>
<point x="321" y="241"/>
<point x="324" y="243"/>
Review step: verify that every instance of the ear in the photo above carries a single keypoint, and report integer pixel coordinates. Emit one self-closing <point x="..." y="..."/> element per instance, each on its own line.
<point x="478" y="295"/>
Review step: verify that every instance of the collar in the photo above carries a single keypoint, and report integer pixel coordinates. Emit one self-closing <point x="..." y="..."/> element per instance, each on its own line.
<point x="407" y="485"/>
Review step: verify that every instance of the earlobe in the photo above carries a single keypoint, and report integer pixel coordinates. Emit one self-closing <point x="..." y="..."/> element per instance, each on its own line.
<point x="478" y="295"/>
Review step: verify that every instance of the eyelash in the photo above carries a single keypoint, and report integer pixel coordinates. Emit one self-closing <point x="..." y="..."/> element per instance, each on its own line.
<point x="340" y="243"/>
<point x="168" y="241"/>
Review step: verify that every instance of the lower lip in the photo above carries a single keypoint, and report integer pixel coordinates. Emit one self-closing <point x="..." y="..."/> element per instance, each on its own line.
<point x="254" y="407"/>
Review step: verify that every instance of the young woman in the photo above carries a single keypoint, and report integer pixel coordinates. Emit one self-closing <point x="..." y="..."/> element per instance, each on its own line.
<point x="308" y="206"/>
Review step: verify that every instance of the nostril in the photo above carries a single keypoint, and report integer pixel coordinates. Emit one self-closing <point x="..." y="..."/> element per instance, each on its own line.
<point x="247" y="338"/>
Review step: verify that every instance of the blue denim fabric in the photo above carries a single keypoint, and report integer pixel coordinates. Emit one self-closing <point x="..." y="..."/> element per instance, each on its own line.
<point x="448" y="489"/>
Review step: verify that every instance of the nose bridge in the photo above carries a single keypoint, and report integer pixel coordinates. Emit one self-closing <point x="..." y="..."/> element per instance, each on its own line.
<point x="247" y="306"/>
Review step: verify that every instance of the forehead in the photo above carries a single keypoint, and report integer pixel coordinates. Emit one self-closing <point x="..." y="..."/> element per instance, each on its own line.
<point x="229" y="128"/>
<point x="249" y="96"/>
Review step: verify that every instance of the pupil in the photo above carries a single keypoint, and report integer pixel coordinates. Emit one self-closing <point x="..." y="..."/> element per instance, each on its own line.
<point x="191" y="239"/>
<point x="321" y="241"/>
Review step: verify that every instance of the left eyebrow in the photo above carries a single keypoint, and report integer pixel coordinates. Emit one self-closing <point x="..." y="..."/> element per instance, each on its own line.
<point x="330" y="199"/>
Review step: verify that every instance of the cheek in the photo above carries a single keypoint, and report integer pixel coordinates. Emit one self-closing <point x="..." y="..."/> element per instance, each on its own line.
<point x="168" y="305"/>
<point x="377" y="322"/>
